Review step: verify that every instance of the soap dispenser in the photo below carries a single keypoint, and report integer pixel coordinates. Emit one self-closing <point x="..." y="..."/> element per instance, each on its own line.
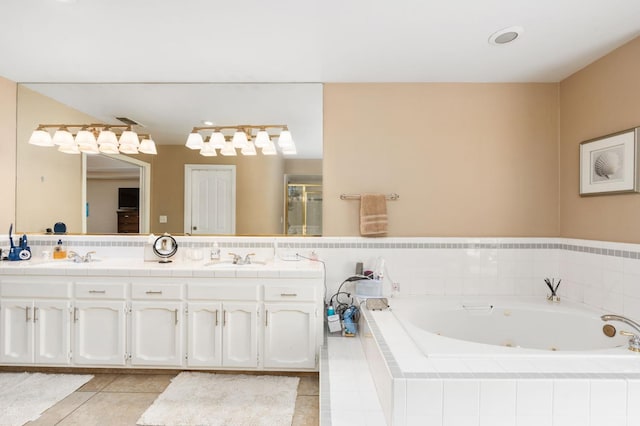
<point x="60" y="251"/>
<point x="215" y="252"/>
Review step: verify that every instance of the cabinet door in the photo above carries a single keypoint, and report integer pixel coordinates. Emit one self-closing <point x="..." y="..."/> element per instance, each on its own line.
<point x="16" y="325"/>
<point x="239" y="338"/>
<point x="289" y="338"/>
<point x="204" y="336"/>
<point x="52" y="332"/>
<point x="100" y="332"/>
<point x="156" y="336"/>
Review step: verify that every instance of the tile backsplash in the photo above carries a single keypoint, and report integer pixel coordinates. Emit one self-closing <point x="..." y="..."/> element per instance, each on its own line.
<point x="601" y="274"/>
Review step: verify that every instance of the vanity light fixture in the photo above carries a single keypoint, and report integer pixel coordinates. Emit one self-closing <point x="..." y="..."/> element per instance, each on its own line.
<point x="246" y="137"/>
<point x="93" y="139"/>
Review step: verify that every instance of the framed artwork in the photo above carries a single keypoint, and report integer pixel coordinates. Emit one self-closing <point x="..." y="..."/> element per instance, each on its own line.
<point x="609" y="164"/>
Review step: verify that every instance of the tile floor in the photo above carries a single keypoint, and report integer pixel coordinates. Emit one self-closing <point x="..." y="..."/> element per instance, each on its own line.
<point x="120" y="399"/>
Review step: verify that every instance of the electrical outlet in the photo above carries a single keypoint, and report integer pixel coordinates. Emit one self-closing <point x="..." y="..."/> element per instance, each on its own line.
<point x="163" y="219"/>
<point x="395" y="286"/>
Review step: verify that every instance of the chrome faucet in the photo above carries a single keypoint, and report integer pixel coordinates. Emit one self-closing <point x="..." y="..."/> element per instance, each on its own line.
<point x="75" y="257"/>
<point x="238" y="260"/>
<point x="634" y="339"/>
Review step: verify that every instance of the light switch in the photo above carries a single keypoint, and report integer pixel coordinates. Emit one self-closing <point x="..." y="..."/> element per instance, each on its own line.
<point x="163" y="219"/>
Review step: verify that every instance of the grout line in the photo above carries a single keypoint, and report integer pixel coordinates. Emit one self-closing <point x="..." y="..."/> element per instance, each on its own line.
<point x="75" y="409"/>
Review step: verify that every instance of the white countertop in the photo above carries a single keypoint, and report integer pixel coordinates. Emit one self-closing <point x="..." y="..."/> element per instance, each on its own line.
<point x="127" y="267"/>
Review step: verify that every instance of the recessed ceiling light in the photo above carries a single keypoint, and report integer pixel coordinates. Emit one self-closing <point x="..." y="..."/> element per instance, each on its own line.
<point x="506" y="35"/>
<point x="207" y="122"/>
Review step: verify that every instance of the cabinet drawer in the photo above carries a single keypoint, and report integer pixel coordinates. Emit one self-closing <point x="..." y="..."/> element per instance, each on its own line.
<point x="289" y="292"/>
<point x="156" y="291"/>
<point x="30" y="289"/>
<point x="101" y="290"/>
<point x="236" y="291"/>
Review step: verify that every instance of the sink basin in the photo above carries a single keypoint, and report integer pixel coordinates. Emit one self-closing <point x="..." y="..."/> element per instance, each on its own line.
<point x="230" y="264"/>
<point x="65" y="263"/>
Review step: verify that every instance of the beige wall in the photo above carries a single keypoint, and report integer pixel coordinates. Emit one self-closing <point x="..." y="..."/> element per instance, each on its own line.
<point x="102" y="197"/>
<point x="7" y="152"/>
<point x="466" y="159"/>
<point x="600" y="99"/>
<point x="303" y="166"/>
<point x="49" y="182"/>
<point x="259" y="194"/>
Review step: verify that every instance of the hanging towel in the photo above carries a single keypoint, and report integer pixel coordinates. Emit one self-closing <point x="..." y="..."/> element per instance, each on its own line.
<point x="373" y="215"/>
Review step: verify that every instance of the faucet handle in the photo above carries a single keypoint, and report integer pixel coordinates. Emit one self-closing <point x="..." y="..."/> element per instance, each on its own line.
<point x="634" y="341"/>
<point x="236" y="257"/>
<point x="247" y="258"/>
<point x="87" y="257"/>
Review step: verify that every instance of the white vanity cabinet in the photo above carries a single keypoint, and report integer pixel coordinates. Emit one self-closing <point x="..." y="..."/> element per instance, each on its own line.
<point x="290" y="325"/>
<point x="35" y="323"/>
<point x="204" y="334"/>
<point x="156" y="324"/>
<point x="239" y="336"/>
<point x="100" y="323"/>
<point x="152" y="316"/>
<point x="222" y="324"/>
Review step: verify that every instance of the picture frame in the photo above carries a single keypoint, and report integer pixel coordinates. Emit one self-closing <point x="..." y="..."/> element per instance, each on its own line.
<point x="609" y="164"/>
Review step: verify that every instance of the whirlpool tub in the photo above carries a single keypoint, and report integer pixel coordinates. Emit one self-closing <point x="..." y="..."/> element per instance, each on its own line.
<point x="499" y="360"/>
<point x="490" y="326"/>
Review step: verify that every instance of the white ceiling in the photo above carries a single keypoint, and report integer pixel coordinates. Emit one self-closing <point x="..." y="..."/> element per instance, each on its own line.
<point x="306" y="41"/>
<point x="294" y="41"/>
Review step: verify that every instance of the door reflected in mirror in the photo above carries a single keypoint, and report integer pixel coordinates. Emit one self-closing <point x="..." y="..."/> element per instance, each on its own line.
<point x="304" y="205"/>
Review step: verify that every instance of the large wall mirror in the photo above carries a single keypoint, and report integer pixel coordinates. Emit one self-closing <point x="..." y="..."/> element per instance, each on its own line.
<point x="87" y="192"/>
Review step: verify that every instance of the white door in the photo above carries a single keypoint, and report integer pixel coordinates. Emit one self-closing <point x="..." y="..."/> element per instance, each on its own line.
<point x="100" y="329"/>
<point x="289" y="338"/>
<point x="239" y="338"/>
<point x="204" y="336"/>
<point x="156" y="336"/>
<point x="52" y="332"/>
<point x="210" y="199"/>
<point x="16" y="326"/>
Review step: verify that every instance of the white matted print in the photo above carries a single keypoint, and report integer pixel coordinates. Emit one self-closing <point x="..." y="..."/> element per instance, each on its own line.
<point x="609" y="164"/>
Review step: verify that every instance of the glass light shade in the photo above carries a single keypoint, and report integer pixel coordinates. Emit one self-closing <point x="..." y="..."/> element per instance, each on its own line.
<point x="285" y="140"/>
<point x="85" y="137"/>
<point x="89" y="149"/>
<point x="208" y="150"/>
<point x="41" y="138"/>
<point x="129" y="137"/>
<point x="86" y="142"/>
<point x="290" y="150"/>
<point x="249" y="149"/>
<point x="262" y="139"/>
<point x="194" y="141"/>
<point x="217" y="140"/>
<point x="128" y="148"/>
<point x="147" y="146"/>
<point x="71" y="148"/>
<point x="228" y="150"/>
<point x="63" y="137"/>
<point x="109" y="148"/>
<point x="109" y="138"/>
<point x="270" y="149"/>
<point x="239" y="139"/>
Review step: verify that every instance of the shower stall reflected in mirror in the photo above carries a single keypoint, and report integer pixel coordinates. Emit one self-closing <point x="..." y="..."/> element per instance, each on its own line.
<point x="304" y="208"/>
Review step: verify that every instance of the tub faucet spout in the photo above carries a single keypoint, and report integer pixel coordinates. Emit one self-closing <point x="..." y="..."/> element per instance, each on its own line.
<point x="634" y="339"/>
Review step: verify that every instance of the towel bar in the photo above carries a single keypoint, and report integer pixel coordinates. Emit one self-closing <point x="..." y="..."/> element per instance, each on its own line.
<point x="392" y="196"/>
